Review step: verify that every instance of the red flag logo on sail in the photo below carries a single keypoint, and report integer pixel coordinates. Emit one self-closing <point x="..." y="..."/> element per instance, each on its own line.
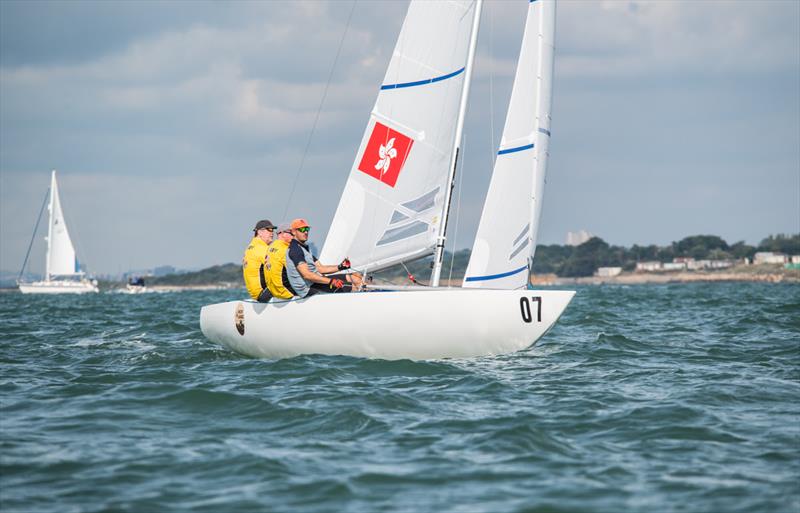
<point x="387" y="151"/>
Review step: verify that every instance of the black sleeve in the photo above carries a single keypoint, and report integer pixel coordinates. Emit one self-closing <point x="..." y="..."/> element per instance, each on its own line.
<point x="296" y="254"/>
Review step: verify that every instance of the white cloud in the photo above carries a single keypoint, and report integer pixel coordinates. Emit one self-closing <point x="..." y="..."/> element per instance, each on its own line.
<point x="622" y="38"/>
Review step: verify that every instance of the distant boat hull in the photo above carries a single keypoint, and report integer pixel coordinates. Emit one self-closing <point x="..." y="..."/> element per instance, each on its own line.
<point x="135" y="289"/>
<point x="417" y="325"/>
<point x="58" y="287"/>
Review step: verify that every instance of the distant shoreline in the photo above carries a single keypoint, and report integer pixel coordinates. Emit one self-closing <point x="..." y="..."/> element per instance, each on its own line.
<point x="750" y="273"/>
<point x="742" y="273"/>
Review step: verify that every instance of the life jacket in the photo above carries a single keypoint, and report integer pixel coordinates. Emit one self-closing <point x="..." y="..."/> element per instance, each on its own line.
<point x="277" y="264"/>
<point x="296" y="254"/>
<point x="254" y="267"/>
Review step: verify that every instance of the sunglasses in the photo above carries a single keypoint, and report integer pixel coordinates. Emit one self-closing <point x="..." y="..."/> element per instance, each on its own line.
<point x="304" y="229"/>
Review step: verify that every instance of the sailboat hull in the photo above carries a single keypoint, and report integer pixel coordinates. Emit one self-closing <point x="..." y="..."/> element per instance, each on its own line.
<point x="58" y="287"/>
<point x="417" y="325"/>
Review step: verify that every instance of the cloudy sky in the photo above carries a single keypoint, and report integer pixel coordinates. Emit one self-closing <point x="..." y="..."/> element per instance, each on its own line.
<point x="176" y="125"/>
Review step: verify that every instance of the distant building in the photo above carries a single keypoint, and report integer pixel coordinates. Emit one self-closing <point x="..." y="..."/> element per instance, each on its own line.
<point x="680" y="260"/>
<point x="607" y="272"/>
<point x="578" y="238"/>
<point x="648" y="267"/>
<point x="698" y="265"/>
<point x="795" y="259"/>
<point x="674" y="266"/>
<point x="768" y="257"/>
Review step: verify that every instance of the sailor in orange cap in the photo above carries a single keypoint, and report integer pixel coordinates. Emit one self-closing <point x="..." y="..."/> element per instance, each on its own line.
<point x="305" y="275"/>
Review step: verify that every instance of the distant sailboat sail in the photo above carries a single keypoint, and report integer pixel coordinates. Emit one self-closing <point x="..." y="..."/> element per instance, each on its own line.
<point x="61" y="259"/>
<point x="507" y="232"/>
<point x="391" y="207"/>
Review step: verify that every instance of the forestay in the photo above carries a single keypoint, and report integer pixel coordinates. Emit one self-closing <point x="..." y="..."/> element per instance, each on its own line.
<point x="506" y="236"/>
<point x="61" y="253"/>
<point x="392" y="204"/>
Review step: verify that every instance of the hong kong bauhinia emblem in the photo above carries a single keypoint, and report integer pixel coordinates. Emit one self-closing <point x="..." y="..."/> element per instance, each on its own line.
<point x="385" y="154"/>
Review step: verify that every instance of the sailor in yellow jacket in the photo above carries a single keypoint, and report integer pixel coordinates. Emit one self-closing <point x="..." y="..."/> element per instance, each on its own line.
<point x="255" y="262"/>
<point x="277" y="262"/>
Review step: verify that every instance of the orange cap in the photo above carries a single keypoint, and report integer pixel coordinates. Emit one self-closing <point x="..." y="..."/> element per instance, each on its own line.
<point x="299" y="223"/>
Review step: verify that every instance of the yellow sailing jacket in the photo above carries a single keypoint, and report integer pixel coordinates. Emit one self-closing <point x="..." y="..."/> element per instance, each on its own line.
<point x="277" y="261"/>
<point x="254" y="267"/>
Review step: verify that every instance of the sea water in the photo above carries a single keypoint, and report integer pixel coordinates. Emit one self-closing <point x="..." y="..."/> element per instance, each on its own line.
<point x="681" y="397"/>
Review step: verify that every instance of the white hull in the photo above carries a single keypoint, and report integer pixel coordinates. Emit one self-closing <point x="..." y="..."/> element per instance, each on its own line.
<point x="135" y="289"/>
<point x="58" y="287"/>
<point x="417" y="325"/>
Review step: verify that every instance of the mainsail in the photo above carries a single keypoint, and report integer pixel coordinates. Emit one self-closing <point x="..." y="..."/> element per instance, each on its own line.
<point x="60" y="251"/>
<point x="506" y="236"/>
<point x="392" y="205"/>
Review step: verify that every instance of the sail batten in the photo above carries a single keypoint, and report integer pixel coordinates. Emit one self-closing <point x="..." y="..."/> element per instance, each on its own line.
<point x="423" y="82"/>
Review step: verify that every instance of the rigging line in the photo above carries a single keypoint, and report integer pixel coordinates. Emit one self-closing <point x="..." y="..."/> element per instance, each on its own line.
<point x="316" y="118"/>
<point x="411" y="277"/>
<point x="35" y="229"/>
<point x="491" y="90"/>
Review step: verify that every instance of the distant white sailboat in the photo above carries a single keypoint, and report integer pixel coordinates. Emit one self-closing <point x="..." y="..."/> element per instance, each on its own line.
<point x="62" y="273"/>
<point x="395" y="205"/>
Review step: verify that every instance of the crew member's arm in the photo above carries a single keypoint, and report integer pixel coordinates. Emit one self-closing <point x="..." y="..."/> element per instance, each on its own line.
<point x="326" y="269"/>
<point x="309" y="275"/>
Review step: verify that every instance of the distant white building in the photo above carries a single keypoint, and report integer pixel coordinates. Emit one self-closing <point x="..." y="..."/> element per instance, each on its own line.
<point x="768" y="257"/>
<point x="795" y="259"/>
<point x="721" y="264"/>
<point x="607" y="272"/>
<point x="648" y="267"/>
<point x="578" y="238"/>
<point x="698" y="265"/>
<point x="674" y="266"/>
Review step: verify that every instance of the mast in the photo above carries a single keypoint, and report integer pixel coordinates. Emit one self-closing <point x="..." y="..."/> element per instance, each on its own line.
<point x="50" y="226"/>
<point x="440" y="241"/>
<point x="544" y="100"/>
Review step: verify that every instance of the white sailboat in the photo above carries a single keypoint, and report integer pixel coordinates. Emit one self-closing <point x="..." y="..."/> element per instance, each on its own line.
<point x="395" y="204"/>
<point x="62" y="272"/>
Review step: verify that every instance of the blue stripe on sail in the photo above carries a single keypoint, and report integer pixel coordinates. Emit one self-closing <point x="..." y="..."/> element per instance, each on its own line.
<point x="496" y="276"/>
<point x="513" y="150"/>
<point x="545" y="131"/>
<point x="422" y="82"/>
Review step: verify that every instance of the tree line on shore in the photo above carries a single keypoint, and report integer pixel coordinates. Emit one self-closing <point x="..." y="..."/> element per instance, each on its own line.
<point x="583" y="260"/>
<point x="562" y="260"/>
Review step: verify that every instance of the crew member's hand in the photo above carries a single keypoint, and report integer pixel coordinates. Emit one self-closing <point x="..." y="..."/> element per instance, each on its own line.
<point x="336" y="284"/>
<point x="345" y="264"/>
